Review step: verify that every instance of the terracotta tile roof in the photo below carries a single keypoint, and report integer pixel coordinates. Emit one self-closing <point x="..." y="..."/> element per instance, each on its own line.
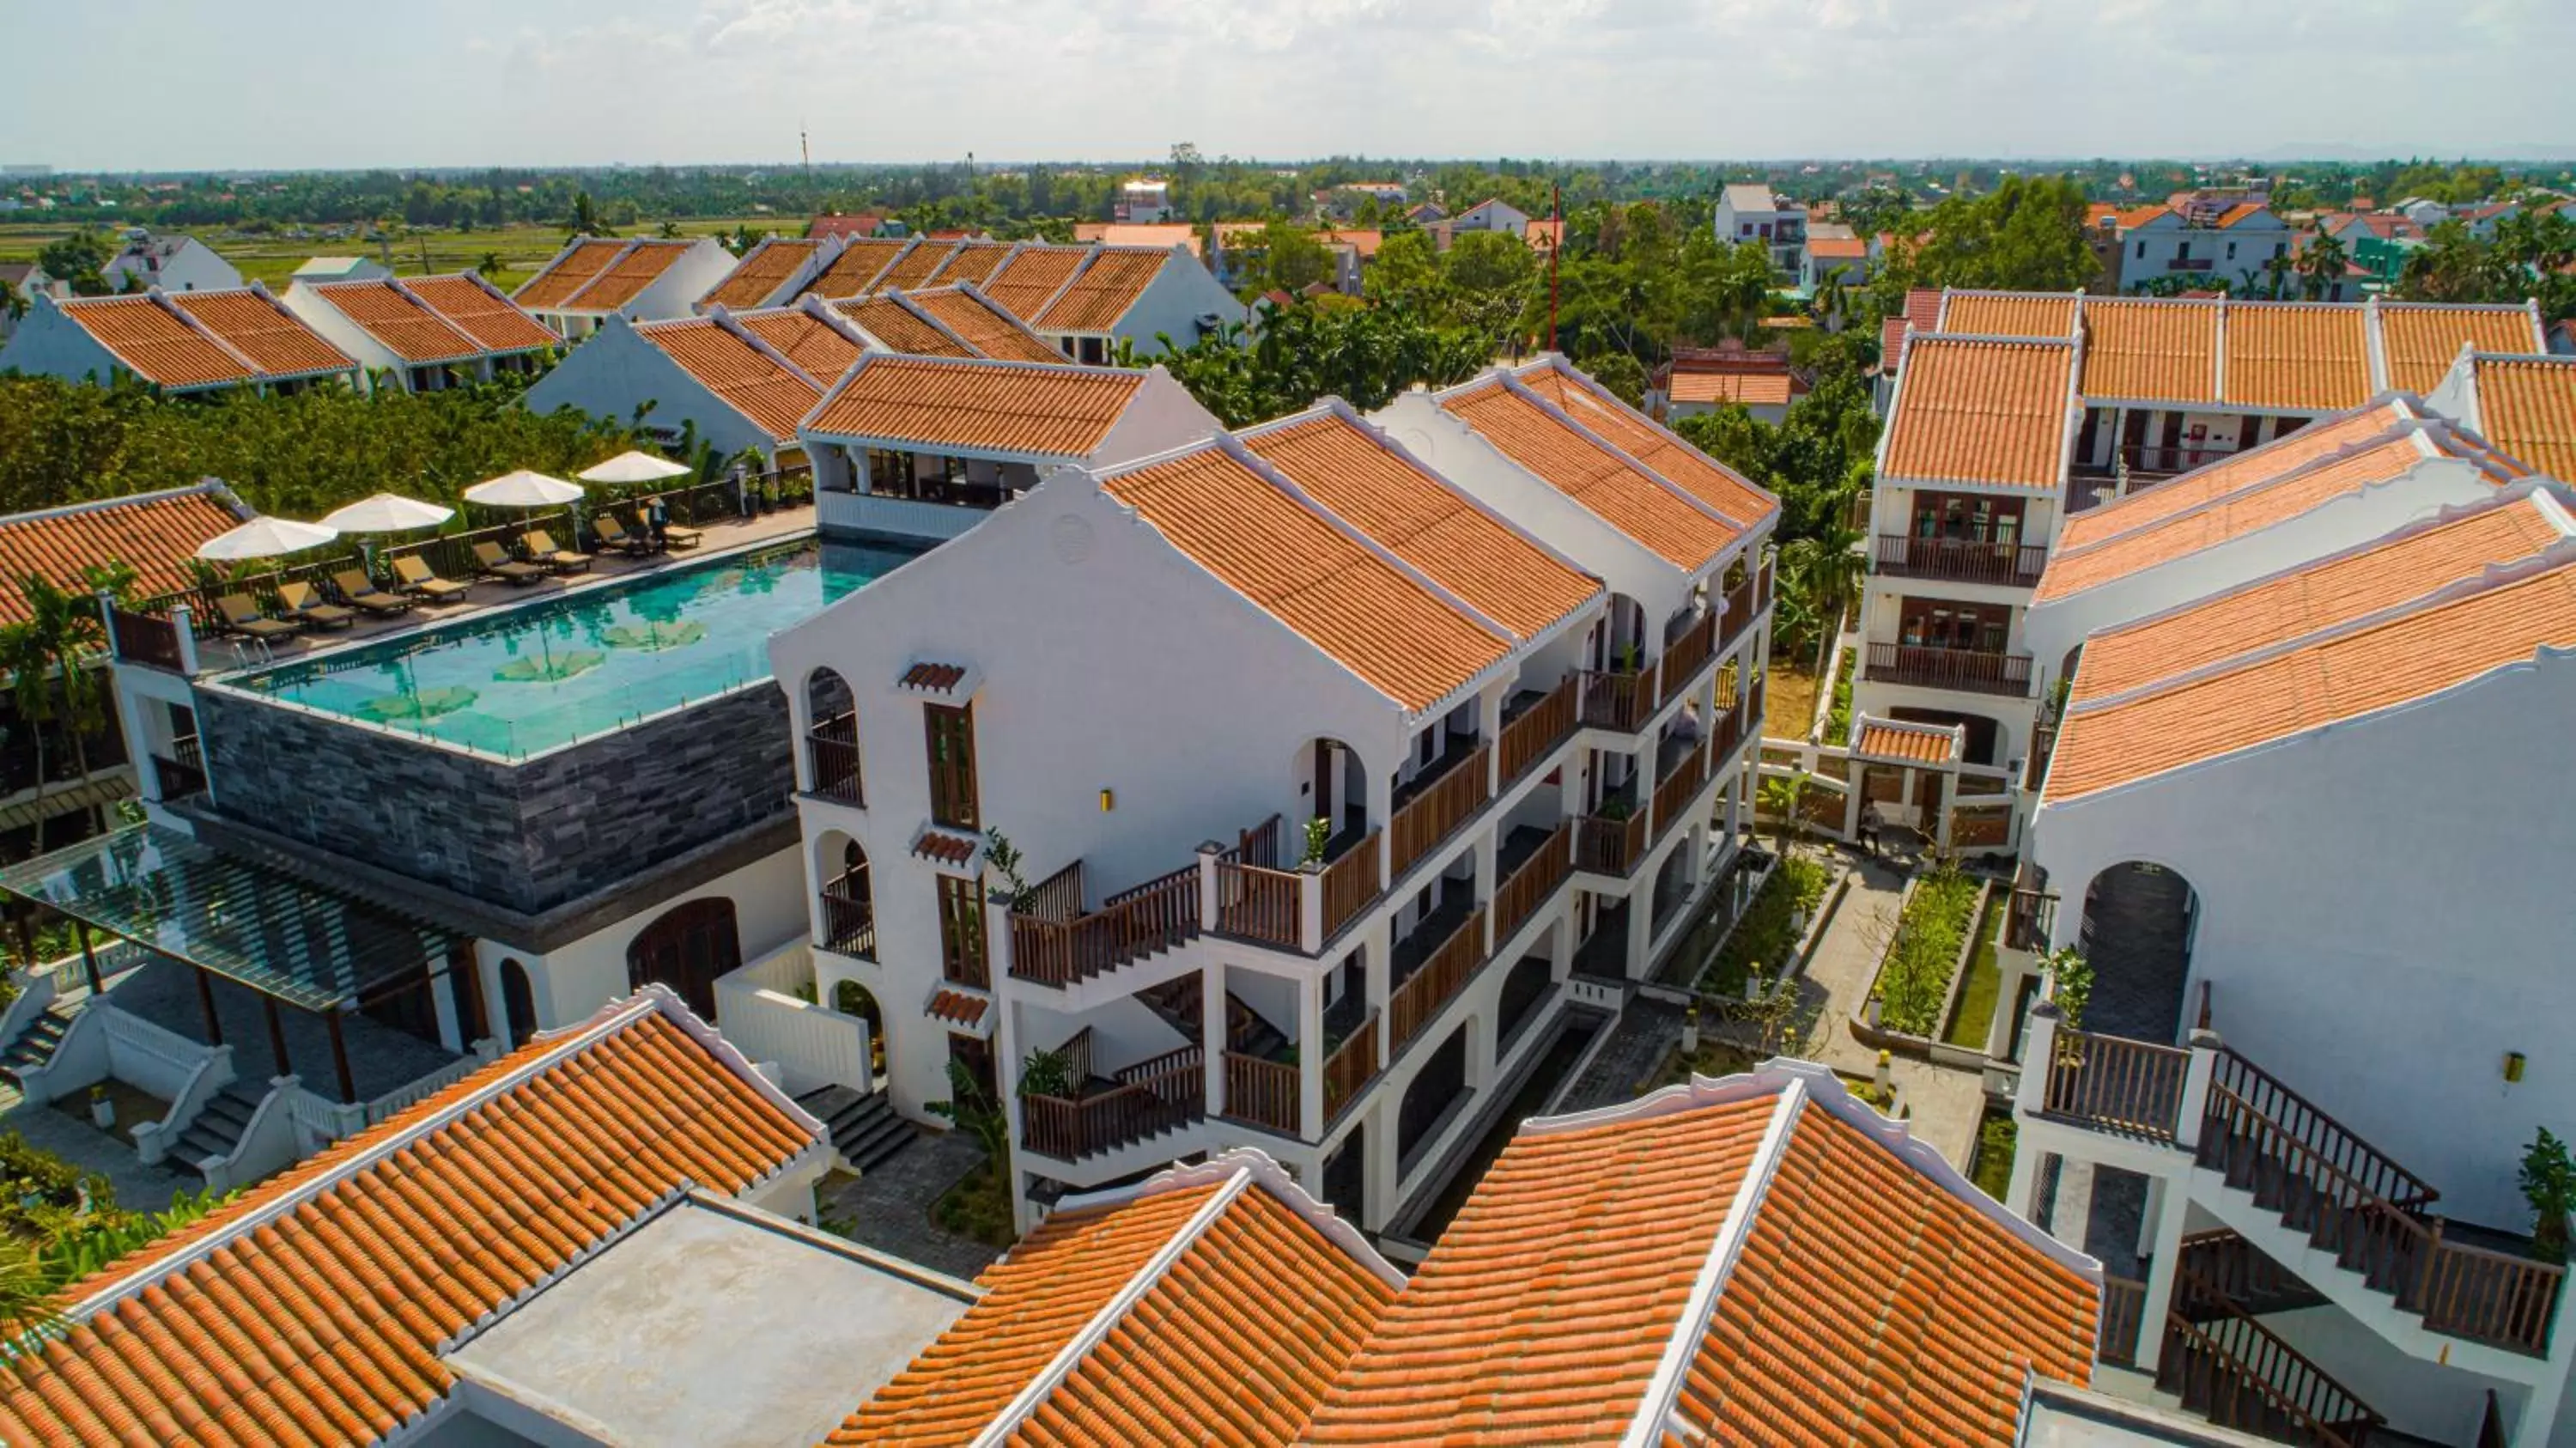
<point x="313" y="1308"/>
<point x="1063" y="412"/>
<point x="1420" y="519"/>
<point x="1365" y="613"/>
<point x="2338" y="679"/>
<point x="155" y="534"/>
<point x="2009" y="314"/>
<point x="1837" y="248"/>
<point x="890" y="322"/>
<point x="1677" y="463"/>
<point x="155" y="343"/>
<point x="973" y="261"/>
<point x="1923" y="309"/>
<point x="1238" y="1310"/>
<point x="1752" y="389"/>
<point x="494" y="322"/>
<point x="914" y="267"/>
<point x="1921" y="743"/>
<point x="2527" y="407"/>
<point x="986" y="327"/>
<point x="1891" y="345"/>
<point x="819" y="351"/>
<point x="2306" y="355"/>
<point x="405" y="327"/>
<point x="2316" y="597"/>
<point x="1983" y="412"/>
<point x="1033" y="277"/>
<point x="573" y="268"/>
<point x="2247" y="510"/>
<point x="1099" y="298"/>
<point x="935" y="678"/>
<point x="2421" y="342"/>
<point x="948" y="849"/>
<point x="860" y="226"/>
<point x="958" y="1007"/>
<point x="774" y="398"/>
<point x="1161" y="234"/>
<point x="2192" y="489"/>
<point x="1636" y="503"/>
<point x="261" y="329"/>
<point x="627" y="277"/>
<point x="854" y="272"/>
<point x="2151" y="350"/>
<point x="761" y="272"/>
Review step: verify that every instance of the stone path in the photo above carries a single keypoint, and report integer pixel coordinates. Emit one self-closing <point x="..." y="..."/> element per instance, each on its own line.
<point x="889" y="1208"/>
<point x="138" y="1187"/>
<point x="1647" y="1032"/>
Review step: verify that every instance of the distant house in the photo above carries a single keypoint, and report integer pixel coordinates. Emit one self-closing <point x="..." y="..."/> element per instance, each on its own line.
<point x="1426" y="214"/>
<point x="1833" y="248"/>
<point x="1703" y="379"/>
<point x="1750" y="212"/>
<point x="1494" y="215"/>
<point x="172" y="263"/>
<point x="1129" y="233"/>
<point x="202" y="341"/>
<point x="2217" y="239"/>
<point x="426" y="333"/>
<point x="338" y="269"/>
<point x="828" y="228"/>
<point x="1144" y="201"/>
<point x="1235" y="254"/>
<point x="593" y="279"/>
<point x="25" y="281"/>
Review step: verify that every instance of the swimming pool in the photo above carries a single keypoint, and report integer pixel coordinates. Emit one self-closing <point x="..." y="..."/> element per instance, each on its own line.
<point x="525" y="680"/>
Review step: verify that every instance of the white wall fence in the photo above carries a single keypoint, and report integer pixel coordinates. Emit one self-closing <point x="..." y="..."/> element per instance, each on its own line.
<point x="841" y="512"/>
<point x="1978" y="816"/>
<point x="760" y="1009"/>
<point x="153" y="1140"/>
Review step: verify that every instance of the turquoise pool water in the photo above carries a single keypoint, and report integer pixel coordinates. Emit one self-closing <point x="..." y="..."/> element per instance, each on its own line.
<point x="526" y="680"/>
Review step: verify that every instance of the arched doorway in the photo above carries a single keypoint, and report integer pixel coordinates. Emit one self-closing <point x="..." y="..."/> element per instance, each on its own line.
<point x="853" y="999"/>
<point x="518" y="1003"/>
<point x="691" y="945"/>
<point x="1332" y="785"/>
<point x="2137" y="932"/>
<point x="849" y="900"/>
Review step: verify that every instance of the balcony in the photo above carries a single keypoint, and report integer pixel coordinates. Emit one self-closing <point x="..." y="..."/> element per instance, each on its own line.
<point x="1429" y="807"/>
<point x="1432" y="965"/>
<point x="833" y="745"/>
<point x="1139" y="1102"/>
<point x="183" y="769"/>
<point x="1971" y="671"/>
<point x="1262" y="1092"/>
<point x="1961" y="560"/>
<point x="1532" y="863"/>
<point x="849" y="920"/>
<point x="1055" y="943"/>
<point x="1685" y="770"/>
<point x="1611" y="841"/>
<point x="2156" y="463"/>
<point x="1618" y="701"/>
<point x="1534" y="724"/>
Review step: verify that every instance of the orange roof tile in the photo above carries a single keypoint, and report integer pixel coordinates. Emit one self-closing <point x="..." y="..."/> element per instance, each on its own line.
<point x="1639" y="504"/>
<point x="1751" y="389"/>
<point x="985" y="326"/>
<point x="1677" y="463"/>
<point x="854" y="272"/>
<point x="277" y="342"/>
<point x="1377" y="621"/>
<point x="1033" y="276"/>
<point x="405" y="327"/>
<point x="1975" y="411"/>
<point x="2317" y="597"/>
<point x="312" y="1309"/>
<point x="890" y="322"/>
<point x="2421" y="342"/>
<point x="1162" y="234"/>
<point x="2337" y="679"/>
<point x="2527" y="407"/>
<point x="494" y="322"/>
<point x="2009" y="314"/>
<point x="914" y="267"/>
<point x="155" y="534"/>
<point x="1420" y="519"/>
<point x="958" y="1007"/>
<point x="2161" y="351"/>
<point x="1063" y="412"/>
<point x="1921" y="743"/>
<point x="819" y="351"/>
<point x="575" y="267"/>
<point x="2306" y="355"/>
<point x="2201" y="485"/>
<point x="155" y="342"/>
<point x="748" y="381"/>
<point x="761" y="272"/>
<point x="971" y="262"/>
<point x="2247" y="510"/>
<point x="627" y="277"/>
<point x="1838" y="248"/>
<point x="1101" y="295"/>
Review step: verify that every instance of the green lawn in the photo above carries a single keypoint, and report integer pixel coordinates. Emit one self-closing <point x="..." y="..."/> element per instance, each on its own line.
<point x="272" y="258"/>
<point x="1996" y="1142"/>
<point x="1976" y="1012"/>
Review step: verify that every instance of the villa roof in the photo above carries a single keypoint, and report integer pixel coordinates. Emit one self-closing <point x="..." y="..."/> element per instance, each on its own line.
<point x="1161" y="234"/>
<point x="1915" y="743"/>
<point x="1837" y="248"/>
<point x="314" y="1308"/>
<point x="2318" y="439"/>
<point x="1983" y="410"/>
<point x="972" y="261"/>
<point x="2009" y="314"/>
<point x="1032" y="276"/>
<point x="2339" y="678"/>
<point x="1373" y="617"/>
<point x="1548" y="445"/>
<point x="474" y="307"/>
<point x="969" y="314"/>
<point x="624" y="279"/>
<point x="1349" y="467"/>
<point x="747" y="379"/>
<point x="2527" y="407"/>
<point x="1751" y="389"/>
<point x="573" y="268"/>
<point x="155" y="534"/>
<point x="257" y="327"/>
<point x="2295" y="355"/>
<point x="406" y="326"/>
<point x="2150" y="349"/>
<point x="2317" y="596"/>
<point x="1100" y="295"/>
<point x="1922" y="312"/>
<point x="1623" y="427"/>
<point x="1054" y="411"/>
<point x="817" y="348"/>
<point x="1760" y="1259"/>
<point x="887" y="319"/>
<point x="156" y="342"/>
<point x="2421" y="340"/>
<point x="915" y="266"/>
<point x="854" y="272"/>
<point x="760" y="274"/>
<point x="1212" y="1304"/>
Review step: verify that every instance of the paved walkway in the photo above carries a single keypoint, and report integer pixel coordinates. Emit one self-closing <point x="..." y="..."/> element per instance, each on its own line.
<point x="138" y="1187"/>
<point x="889" y="1208"/>
<point x="1648" y="1031"/>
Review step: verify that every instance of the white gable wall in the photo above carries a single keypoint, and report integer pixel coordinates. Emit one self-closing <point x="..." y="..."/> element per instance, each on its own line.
<point x="615" y="371"/>
<point x="1172" y="304"/>
<point x="50" y="344"/>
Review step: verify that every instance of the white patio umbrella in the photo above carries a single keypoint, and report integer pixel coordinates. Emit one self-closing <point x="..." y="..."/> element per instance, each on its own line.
<point x="387" y="513"/>
<point x="265" y="538"/>
<point x="523" y="489"/>
<point x="634" y="467"/>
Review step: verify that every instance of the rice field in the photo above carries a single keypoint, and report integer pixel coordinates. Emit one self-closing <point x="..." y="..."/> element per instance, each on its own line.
<point x="273" y="257"/>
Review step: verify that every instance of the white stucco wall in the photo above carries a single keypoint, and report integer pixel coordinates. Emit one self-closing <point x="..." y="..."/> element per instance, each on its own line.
<point x="1173" y="303"/>
<point x="49" y="344"/>
<point x="617" y="370"/>
<point x="194" y="267"/>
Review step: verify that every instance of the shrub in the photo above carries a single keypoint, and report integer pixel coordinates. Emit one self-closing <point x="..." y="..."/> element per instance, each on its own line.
<point x="1915" y="978"/>
<point x="1838" y="719"/>
<point x="1765" y="936"/>
<point x="1996" y="1143"/>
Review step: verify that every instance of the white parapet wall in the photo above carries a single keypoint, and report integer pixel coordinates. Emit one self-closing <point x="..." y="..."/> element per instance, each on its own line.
<point x="761" y="1009"/>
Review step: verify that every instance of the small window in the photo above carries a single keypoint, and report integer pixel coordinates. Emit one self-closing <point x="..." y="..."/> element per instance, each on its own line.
<point x="961" y="934"/>
<point x="2142" y="251"/>
<point x="952" y="766"/>
<point x="2231" y="251"/>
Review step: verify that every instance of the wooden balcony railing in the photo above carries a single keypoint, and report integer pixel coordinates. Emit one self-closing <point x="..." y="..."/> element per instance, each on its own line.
<point x="1442" y="974"/>
<point x="1431" y="816"/>
<point x="1530" y="886"/>
<point x="2043" y="743"/>
<point x="1152" y="917"/>
<point x="1059" y="896"/>
<point x="1350" y="883"/>
<point x="834" y="747"/>
<point x="1608" y="845"/>
<point x="1618" y="701"/>
<point x="1685" y="656"/>
<point x="1673" y="796"/>
<point x="183" y="769"/>
<point x="1540" y="728"/>
<point x="1151" y="1098"/>
<point x="1742" y="602"/>
<point x="1963" y="560"/>
<point x="1263" y="1093"/>
<point x="849" y="922"/>
<point x="2114" y="1084"/>
<point x="1349" y="1068"/>
<point x="2124" y="1306"/>
<point x="1967" y="670"/>
<point x="2243" y="1097"/>
<point x="147" y="638"/>
<point x="2238" y="1374"/>
<point x="1256" y="903"/>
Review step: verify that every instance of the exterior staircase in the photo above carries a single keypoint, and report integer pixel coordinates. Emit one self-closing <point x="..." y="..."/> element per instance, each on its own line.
<point x="2222" y="1364"/>
<point x="1249" y="1033"/>
<point x="217" y="1130"/>
<point x="34" y="1047"/>
<point x="862" y="1126"/>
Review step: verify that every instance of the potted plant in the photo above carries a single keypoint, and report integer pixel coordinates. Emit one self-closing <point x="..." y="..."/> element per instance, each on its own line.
<point x="1319" y="833"/>
<point x="2549" y="1184"/>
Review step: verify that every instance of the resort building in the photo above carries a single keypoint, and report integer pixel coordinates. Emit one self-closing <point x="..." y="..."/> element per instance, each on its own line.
<point x="2218" y="239"/>
<point x="1750" y="212"/>
<point x="593" y="279"/>
<point x="1703" y="379"/>
<point x="772" y="274"/>
<point x="192" y="342"/>
<point x="1084" y="300"/>
<point x="423" y="334"/>
<point x="168" y="264"/>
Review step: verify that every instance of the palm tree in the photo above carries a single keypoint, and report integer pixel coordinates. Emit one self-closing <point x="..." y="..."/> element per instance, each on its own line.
<point x="1824" y="569"/>
<point x="670" y="231"/>
<point x="2322" y="265"/>
<point x="491" y="264"/>
<point x="47" y="657"/>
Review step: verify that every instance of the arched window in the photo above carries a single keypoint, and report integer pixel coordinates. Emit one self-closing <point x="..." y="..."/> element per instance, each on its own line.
<point x="832" y="737"/>
<point x="518" y="1003"/>
<point x="687" y="949"/>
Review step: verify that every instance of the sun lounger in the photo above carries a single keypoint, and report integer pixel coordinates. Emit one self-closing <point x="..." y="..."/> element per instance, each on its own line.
<point x="361" y="592"/>
<point x="243" y="617"/>
<point x="492" y="562"/>
<point x="307" y="608"/>
<point x="673" y="535"/>
<point x="613" y="534"/>
<point x="417" y="579"/>
<point x="543" y="552"/>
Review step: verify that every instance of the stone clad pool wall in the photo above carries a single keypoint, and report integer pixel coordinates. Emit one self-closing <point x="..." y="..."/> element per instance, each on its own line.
<point x="526" y="836"/>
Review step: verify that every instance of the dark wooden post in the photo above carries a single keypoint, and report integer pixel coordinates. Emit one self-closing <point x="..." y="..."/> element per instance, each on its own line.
<point x="89" y="958"/>
<point x="276" y="1037"/>
<point x="340" y="1057"/>
<point x="467" y="977"/>
<point x="206" y="1003"/>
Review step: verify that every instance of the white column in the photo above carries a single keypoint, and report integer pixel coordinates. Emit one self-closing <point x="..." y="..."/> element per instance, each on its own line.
<point x="1310" y="1058"/>
<point x="2167" y="1206"/>
<point x="1212" y="1034"/>
<point x="2039" y="1049"/>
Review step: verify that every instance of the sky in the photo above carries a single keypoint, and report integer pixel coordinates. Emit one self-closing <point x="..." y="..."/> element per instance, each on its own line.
<point x="289" y="84"/>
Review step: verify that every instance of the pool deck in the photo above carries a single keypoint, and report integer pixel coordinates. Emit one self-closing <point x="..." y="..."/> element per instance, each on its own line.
<point x="225" y="655"/>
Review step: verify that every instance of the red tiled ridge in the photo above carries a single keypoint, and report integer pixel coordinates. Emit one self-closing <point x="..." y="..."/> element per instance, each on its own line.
<point x="260" y="328"/>
<point x="1581" y="466"/>
<point x="937" y="678"/>
<point x="1032" y="277"/>
<point x="1920" y="743"/>
<point x="470" y="305"/>
<point x="856" y="269"/>
<point x="2150" y="349"/>
<point x="2527" y="407"/>
<point x="985" y="326"/>
<point x="1922" y="312"/>
<point x="1105" y="290"/>
<point x="2296" y="355"/>
<point x="812" y="345"/>
<point x="627" y="277"/>
<point x="2420" y="342"/>
<point x="2009" y="314"/>
<point x="1064" y="412"/>
<point x="1977" y="410"/>
<point x="1364" y="612"/>
<point x="915" y="266"/>
<point x="894" y="324"/>
<point x="2218" y="479"/>
<point x="1631" y="432"/>
<point x="406" y="326"/>
<point x="1750" y="389"/>
<point x="958" y="1007"/>
<point x="575" y="267"/>
<point x="312" y="1310"/>
<point x="761" y="272"/>
<point x="746" y="378"/>
<point x="156" y="342"/>
<point x="155" y="534"/>
<point x="946" y="848"/>
<point x="1348" y="468"/>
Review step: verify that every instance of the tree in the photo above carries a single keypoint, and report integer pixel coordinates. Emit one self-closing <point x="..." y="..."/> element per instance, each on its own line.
<point x="49" y="658"/>
<point x="1623" y="374"/>
<point x="2321" y="266"/>
<point x="586" y="220"/>
<point x="79" y="260"/>
<point x="2027" y="235"/>
<point x="1406" y="274"/>
<point x="491" y="265"/>
<point x="668" y="231"/>
<point x="1291" y="258"/>
<point x="1491" y="282"/>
